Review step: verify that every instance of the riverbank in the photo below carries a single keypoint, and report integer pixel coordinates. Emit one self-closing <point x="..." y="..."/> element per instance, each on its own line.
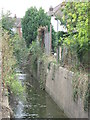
<point x="4" y="103"/>
<point x="60" y="84"/>
<point x="36" y="103"/>
<point x="0" y="85"/>
<point x="60" y="88"/>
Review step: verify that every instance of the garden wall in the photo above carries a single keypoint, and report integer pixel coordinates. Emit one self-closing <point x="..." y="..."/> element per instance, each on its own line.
<point x="59" y="87"/>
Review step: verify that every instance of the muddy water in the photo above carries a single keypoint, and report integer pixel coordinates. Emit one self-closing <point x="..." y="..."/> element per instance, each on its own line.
<point x="36" y="102"/>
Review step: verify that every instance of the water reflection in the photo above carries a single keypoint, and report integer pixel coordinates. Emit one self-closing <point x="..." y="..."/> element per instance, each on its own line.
<point x="37" y="103"/>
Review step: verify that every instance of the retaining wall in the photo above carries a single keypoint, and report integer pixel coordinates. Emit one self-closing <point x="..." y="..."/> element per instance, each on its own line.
<point x="61" y="90"/>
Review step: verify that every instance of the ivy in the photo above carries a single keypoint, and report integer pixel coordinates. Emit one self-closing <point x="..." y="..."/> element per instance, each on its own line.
<point x="75" y="18"/>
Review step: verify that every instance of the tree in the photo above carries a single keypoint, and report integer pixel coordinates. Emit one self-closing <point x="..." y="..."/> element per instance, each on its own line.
<point x="20" y="50"/>
<point x="32" y="20"/>
<point x="9" y="62"/>
<point x="7" y="22"/>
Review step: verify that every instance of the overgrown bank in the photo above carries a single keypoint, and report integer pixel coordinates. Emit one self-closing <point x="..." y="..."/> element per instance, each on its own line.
<point x="45" y="68"/>
<point x="59" y="82"/>
<point x="9" y="65"/>
<point x="10" y="62"/>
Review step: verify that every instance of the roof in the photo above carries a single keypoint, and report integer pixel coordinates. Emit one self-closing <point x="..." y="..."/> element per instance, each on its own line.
<point x="18" y="22"/>
<point x="57" y="11"/>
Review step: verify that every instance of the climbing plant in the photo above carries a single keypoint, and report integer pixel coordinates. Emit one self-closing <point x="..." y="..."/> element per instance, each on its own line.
<point x="75" y="18"/>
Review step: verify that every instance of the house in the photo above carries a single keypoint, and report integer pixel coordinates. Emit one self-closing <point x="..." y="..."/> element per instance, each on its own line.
<point x="17" y="26"/>
<point x="56" y="12"/>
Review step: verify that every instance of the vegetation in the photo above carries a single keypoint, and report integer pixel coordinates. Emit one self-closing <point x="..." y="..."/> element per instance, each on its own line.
<point x="36" y="53"/>
<point x="15" y="51"/>
<point x="32" y="20"/>
<point x="54" y="40"/>
<point x="8" y="66"/>
<point x="61" y="35"/>
<point x="81" y="88"/>
<point x="75" y="18"/>
<point x="9" y="62"/>
<point x="20" y="50"/>
<point x="7" y="22"/>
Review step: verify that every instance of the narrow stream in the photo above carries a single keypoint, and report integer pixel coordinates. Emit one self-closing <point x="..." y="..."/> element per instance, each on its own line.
<point x="36" y="102"/>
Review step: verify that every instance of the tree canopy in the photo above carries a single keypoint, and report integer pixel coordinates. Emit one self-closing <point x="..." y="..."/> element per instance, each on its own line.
<point x="7" y="22"/>
<point x="32" y="20"/>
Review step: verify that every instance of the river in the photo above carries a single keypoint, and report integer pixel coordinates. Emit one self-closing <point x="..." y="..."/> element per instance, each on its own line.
<point x="36" y="103"/>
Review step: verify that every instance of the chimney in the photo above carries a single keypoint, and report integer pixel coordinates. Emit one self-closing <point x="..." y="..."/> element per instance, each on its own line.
<point x="51" y="9"/>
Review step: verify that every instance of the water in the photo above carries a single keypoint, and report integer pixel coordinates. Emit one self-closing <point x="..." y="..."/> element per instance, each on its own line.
<point x="36" y="102"/>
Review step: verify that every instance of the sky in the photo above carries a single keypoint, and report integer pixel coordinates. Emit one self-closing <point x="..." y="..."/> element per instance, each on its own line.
<point x="19" y="7"/>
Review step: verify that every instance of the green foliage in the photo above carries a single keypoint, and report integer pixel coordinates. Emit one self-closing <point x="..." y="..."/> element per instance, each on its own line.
<point x="7" y="22"/>
<point x="32" y="20"/>
<point x="54" y="40"/>
<point x="49" y="64"/>
<point x="87" y="98"/>
<point x="14" y="85"/>
<point x="54" y="71"/>
<point x="14" y="53"/>
<point x="8" y="65"/>
<point x="35" y="49"/>
<point x="36" y="53"/>
<point x="81" y="88"/>
<point x="61" y="35"/>
<point x="75" y="86"/>
<point x="20" y="49"/>
<point x="75" y="18"/>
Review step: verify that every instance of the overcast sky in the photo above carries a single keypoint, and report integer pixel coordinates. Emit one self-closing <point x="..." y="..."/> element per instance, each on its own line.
<point x="19" y="7"/>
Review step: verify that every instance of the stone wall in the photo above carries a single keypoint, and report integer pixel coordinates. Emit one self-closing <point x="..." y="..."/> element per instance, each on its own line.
<point x="59" y="87"/>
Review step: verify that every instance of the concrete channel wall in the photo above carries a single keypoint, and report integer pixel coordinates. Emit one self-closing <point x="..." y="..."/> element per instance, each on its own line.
<point x="61" y="90"/>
